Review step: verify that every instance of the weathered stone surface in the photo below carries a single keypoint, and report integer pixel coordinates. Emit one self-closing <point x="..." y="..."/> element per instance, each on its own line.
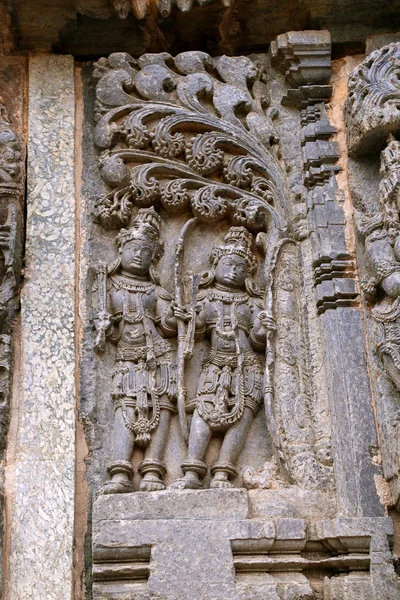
<point x="260" y="559"/>
<point x="290" y="503"/>
<point x="41" y="465"/>
<point x="200" y="504"/>
<point x="12" y="175"/>
<point x="376" y="42"/>
<point x="200" y="153"/>
<point x="90" y="28"/>
<point x="305" y="59"/>
<point x="140" y="9"/>
<point x="335" y="285"/>
<point x="372" y="108"/>
<point x="374" y="183"/>
<point x="353" y="428"/>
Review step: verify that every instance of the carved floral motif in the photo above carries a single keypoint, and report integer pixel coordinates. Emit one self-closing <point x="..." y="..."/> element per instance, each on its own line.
<point x="373" y="104"/>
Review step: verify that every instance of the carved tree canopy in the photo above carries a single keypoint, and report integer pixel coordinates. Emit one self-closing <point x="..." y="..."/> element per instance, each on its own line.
<point x="373" y="104"/>
<point x="189" y="131"/>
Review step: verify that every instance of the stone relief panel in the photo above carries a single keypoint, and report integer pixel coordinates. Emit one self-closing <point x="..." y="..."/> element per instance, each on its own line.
<point x="220" y="297"/>
<point x="11" y="228"/>
<point x="373" y="103"/>
<point x="372" y="120"/>
<point x="196" y="284"/>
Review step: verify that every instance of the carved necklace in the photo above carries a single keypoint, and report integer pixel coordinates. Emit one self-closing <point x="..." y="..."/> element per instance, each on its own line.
<point x="226" y="296"/>
<point x="123" y="283"/>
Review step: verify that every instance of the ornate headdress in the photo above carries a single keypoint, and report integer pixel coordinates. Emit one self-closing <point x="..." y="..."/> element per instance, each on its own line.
<point x="146" y="227"/>
<point x="237" y="241"/>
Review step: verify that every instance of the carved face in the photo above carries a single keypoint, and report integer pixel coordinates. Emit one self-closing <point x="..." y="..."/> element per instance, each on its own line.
<point x="136" y="257"/>
<point x="231" y="271"/>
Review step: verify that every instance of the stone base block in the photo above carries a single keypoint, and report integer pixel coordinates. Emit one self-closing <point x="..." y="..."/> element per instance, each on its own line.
<point x="195" y="545"/>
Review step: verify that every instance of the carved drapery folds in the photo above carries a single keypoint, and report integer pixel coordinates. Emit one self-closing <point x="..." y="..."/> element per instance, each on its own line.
<point x="222" y="308"/>
<point x="189" y="143"/>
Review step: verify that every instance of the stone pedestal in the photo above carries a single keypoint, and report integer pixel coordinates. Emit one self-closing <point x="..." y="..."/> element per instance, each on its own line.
<point x="205" y="544"/>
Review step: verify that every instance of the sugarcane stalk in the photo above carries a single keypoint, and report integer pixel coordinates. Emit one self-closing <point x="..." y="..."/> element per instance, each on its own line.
<point x="100" y="343"/>
<point x="181" y="329"/>
<point x="271" y="253"/>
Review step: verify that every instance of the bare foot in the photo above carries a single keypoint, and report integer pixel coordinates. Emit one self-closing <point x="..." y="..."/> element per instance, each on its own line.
<point x="116" y="487"/>
<point x="220" y="481"/>
<point x="186" y="484"/>
<point x="151" y="483"/>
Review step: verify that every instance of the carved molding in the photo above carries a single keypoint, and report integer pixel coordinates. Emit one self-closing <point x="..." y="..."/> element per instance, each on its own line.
<point x="319" y="153"/>
<point x="305" y="59"/>
<point x="373" y="104"/>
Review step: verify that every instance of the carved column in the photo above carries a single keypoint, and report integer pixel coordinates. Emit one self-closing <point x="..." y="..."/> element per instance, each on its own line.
<point x="304" y="57"/>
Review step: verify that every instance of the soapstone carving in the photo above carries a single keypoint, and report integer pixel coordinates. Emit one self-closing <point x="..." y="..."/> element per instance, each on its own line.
<point x="230" y="388"/>
<point x="382" y="242"/>
<point x="133" y="311"/>
<point x="373" y="103"/>
<point x="11" y="190"/>
<point x="192" y="139"/>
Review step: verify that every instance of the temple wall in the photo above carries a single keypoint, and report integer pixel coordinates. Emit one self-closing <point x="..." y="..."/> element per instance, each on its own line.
<point x="121" y="152"/>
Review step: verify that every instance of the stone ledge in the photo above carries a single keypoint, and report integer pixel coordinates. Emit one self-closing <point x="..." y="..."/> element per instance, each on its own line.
<point x="185" y="504"/>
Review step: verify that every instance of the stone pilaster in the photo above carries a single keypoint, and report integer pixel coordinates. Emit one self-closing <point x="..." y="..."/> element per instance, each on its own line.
<point x="41" y="463"/>
<point x="304" y="58"/>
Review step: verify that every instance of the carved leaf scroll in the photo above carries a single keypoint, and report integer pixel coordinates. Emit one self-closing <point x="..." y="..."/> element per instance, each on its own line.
<point x="191" y="135"/>
<point x="187" y="132"/>
<point x="373" y="105"/>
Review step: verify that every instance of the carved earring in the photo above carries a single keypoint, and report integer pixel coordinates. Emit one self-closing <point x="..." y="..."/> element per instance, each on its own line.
<point x="154" y="275"/>
<point x="207" y="277"/>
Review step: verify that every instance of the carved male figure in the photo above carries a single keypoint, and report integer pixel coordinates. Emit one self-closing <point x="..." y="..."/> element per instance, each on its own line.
<point x="230" y="388"/>
<point x="135" y="310"/>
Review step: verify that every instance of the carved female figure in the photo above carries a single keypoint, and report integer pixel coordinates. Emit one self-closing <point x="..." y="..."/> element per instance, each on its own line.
<point x="230" y="388"/>
<point x="135" y="309"/>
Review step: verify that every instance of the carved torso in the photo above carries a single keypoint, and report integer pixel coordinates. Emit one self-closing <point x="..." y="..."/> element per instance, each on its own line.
<point x="136" y="307"/>
<point x="228" y="317"/>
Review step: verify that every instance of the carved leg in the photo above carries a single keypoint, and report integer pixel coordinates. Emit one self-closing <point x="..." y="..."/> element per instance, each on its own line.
<point x="194" y="468"/>
<point x="121" y="470"/>
<point x="232" y="446"/>
<point x="152" y="468"/>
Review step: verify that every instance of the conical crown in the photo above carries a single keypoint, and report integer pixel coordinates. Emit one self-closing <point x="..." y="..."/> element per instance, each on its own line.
<point x="146" y="227"/>
<point x="237" y="241"/>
